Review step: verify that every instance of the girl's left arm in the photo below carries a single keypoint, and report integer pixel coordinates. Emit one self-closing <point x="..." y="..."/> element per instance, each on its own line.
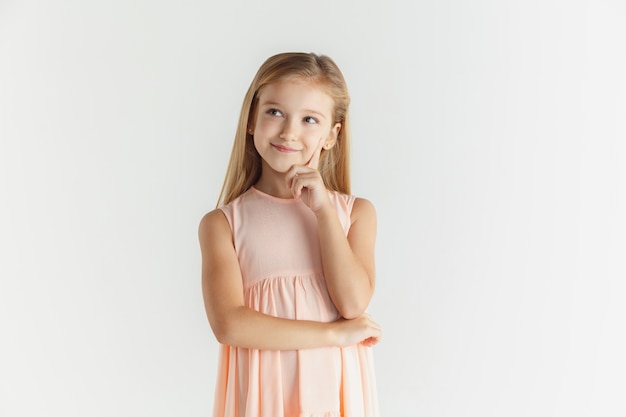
<point x="349" y="260"/>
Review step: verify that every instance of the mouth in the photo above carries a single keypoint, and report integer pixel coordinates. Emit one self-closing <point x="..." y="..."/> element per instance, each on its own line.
<point x="284" y="149"/>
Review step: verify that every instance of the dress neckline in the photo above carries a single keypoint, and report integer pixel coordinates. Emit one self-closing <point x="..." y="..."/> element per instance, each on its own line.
<point x="272" y="197"/>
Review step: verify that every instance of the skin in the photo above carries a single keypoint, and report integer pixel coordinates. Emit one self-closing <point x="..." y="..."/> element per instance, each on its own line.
<point x="292" y="125"/>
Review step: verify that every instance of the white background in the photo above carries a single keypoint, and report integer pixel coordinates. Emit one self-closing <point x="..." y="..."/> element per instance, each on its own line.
<point x="490" y="135"/>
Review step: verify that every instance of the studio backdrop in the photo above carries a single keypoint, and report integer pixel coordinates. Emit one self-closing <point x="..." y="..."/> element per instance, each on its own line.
<point x="490" y="137"/>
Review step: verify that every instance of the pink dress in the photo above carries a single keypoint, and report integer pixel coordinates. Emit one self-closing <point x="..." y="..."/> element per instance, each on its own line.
<point x="278" y="249"/>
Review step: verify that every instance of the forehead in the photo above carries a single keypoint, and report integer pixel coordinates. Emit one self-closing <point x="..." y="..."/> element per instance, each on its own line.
<point x="297" y="94"/>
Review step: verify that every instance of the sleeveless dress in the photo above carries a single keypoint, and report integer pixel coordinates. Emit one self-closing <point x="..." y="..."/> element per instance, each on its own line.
<point x="278" y="248"/>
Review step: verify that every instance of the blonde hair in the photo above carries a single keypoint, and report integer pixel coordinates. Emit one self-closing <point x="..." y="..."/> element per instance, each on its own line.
<point x="244" y="168"/>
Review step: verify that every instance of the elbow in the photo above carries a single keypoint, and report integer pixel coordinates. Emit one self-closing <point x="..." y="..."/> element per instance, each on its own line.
<point x="351" y="314"/>
<point x="221" y="335"/>
<point x="355" y="306"/>
<point x="224" y="332"/>
<point x="352" y="311"/>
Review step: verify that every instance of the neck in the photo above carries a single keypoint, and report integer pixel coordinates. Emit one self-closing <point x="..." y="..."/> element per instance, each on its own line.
<point x="275" y="186"/>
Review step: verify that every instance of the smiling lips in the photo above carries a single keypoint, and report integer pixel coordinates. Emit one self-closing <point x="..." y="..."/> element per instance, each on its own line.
<point x="284" y="149"/>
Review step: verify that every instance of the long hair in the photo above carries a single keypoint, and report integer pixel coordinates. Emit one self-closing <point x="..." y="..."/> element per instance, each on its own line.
<point x="244" y="168"/>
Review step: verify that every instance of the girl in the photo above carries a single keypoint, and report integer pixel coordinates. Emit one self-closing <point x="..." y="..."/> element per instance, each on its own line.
<point x="288" y="255"/>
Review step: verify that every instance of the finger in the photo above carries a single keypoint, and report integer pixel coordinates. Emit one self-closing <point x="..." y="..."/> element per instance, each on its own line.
<point x="296" y="186"/>
<point x="296" y="170"/>
<point x="315" y="158"/>
<point x="293" y="178"/>
<point x="301" y="181"/>
<point x="292" y="174"/>
<point x="370" y="341"/>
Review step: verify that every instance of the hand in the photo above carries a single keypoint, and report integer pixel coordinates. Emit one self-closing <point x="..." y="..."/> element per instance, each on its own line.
<point x="306" y="182"/>
<point x="361" y="330"/>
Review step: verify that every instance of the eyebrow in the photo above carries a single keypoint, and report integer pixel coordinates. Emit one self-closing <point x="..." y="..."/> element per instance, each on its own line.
<point x="272" y="103"/>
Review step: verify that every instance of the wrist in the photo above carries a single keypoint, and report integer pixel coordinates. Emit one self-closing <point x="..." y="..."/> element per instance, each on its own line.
<point x="331" y="334"/>
<point x="334" y="334"/>
<point x="325" y="212"/>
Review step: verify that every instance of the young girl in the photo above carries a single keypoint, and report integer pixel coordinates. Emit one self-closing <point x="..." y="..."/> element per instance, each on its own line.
<point x="288" y="255"/>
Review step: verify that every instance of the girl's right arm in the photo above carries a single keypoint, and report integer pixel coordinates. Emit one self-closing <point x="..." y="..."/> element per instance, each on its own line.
<point x="235" y="324"/>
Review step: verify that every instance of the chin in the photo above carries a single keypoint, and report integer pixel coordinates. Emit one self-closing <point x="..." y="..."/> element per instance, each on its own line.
<point x="280" y="168"/>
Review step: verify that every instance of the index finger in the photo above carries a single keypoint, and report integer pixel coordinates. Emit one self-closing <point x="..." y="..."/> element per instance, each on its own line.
<point x="315" y="158"/>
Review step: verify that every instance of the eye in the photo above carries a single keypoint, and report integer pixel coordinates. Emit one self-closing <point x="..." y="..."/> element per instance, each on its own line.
<point x="310" y="120"/>
<point x="274" y="112"/>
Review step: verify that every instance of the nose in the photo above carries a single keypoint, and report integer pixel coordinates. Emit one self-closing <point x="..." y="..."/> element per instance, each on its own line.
<point x="289" y="131"/>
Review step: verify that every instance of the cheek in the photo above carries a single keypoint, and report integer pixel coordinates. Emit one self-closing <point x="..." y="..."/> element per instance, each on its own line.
<point x="313" y="136"/>
<point x="311" y="140"/>
<point x="259" y="140"/>
<point x="264" y="126"/>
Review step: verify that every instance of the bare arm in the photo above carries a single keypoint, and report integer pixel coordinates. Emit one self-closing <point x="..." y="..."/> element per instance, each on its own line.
<point x="237" y="325"/>
<point x="349" y="262"/>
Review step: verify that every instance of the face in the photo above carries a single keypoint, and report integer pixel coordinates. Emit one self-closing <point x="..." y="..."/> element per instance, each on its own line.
<point x="293" y="121"/>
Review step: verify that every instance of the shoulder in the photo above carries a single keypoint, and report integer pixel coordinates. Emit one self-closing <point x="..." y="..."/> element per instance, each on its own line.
<point x="363" y="210"/>
<point x="225" y="213"/>
<point x="213" y="227"/>
<point x="212" y="218"/>
<point x="355" y="207"/>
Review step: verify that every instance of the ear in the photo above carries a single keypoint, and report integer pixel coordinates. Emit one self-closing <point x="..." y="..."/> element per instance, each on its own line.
<point x="332" y="137"/>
